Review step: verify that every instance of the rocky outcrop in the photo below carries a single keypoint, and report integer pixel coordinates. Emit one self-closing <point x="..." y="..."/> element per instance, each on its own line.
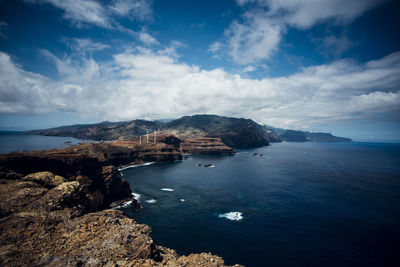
<point x="47" y="179"/>
<point x="52" y="207"/>
<point x="51" y="227"/>
<point x="93" y="165"/>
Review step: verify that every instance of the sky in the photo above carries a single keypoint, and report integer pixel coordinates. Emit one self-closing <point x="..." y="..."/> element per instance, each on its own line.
<point x="318" y="65"/>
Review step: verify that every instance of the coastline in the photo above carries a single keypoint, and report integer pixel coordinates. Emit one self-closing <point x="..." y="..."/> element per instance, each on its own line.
<point x="69" y="190"/>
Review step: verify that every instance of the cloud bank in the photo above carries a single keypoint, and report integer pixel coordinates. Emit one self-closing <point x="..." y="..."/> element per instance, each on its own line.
<point x="140" y="83"/>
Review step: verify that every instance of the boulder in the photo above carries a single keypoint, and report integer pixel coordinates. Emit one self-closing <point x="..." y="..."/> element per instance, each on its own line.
<point x="46" y="179"/>
<point x="65" y="195"/>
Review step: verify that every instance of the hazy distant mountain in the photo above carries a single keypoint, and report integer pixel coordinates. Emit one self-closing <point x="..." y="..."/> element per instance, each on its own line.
<point x="293" y="136"/>
<point x="304" y="136"/>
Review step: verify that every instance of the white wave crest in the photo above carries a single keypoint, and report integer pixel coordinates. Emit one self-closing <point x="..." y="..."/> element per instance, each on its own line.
<point x="167" y="189"/>
<point x="123" y="205"/>
<point x="136" y="196"/>
<point x="134" y="166"/>
<point x="233" y="216"/>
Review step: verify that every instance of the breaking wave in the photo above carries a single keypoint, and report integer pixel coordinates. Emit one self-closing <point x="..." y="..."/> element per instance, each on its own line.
<point x="134" y="166"/>
<point x="233" y="215"/>
<point x="167" y="189"/>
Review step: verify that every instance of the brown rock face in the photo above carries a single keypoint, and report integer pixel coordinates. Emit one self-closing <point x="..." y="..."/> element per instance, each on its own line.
<point x="204" y="145"/>
<point x="93" y="165"/>
<point x="49" y="227"/>
<point x="50" y="202"/>
<point x="47" y="179"/>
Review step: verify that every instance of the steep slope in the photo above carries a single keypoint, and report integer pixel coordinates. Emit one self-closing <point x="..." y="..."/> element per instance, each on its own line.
<point x="103" y="130"/>
<point x="272" y="136"/>
<point x="234" y="132"/>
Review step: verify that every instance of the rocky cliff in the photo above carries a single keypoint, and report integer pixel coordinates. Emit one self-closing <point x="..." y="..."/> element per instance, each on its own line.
<point x="47" y="225"/>
<point x="234" y="132"/>
<point x="204" y="145"/>
<point x="52" y="208"/>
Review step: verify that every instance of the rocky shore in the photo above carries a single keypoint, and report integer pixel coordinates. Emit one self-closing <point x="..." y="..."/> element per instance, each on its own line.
<point x="54" y="207"/>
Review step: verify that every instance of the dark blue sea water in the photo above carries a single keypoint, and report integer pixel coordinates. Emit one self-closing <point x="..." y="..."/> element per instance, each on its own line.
<point x="303" y="204"/>
<point x="17" y="141"/>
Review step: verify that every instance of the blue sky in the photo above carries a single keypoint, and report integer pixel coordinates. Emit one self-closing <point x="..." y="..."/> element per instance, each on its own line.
<point x="319" y="65"/>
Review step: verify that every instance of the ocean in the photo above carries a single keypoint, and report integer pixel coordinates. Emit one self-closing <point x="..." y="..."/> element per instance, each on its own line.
<point x="17" y="141"/>
<point x="291" y="204"/>
<point x="299" y="204"/>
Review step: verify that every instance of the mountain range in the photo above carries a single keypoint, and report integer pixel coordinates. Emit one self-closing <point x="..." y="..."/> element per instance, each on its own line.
<point x="234" y="132"/>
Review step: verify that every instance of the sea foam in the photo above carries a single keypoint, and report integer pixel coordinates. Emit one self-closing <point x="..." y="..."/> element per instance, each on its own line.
<point x="134" y="166"/>
<point x="136" y="196"/>
<point x="123" y="205"/>
<point x="233" y="216"/>
<point x="167" y="189"/>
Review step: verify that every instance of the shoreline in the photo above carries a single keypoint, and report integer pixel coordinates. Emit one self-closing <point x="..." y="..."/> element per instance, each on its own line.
<point x="70" y="188"/>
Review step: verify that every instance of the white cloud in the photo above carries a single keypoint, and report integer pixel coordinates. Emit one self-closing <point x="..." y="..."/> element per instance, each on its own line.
<point x="143" y="84"/>
<point x="93" y="12"/>
<point x="139" y="9"/>
<point x="215" y="47"/>
<point x="84" y="45"/>
<point x="249" y="68"/>
<point x="82" y="12"/>
<point x="253" y="41"/>
<point x="259" y="33"/>
<point x="21" y="91"/>
<point x="147" y="39"/>
<point x="306" y="13"/>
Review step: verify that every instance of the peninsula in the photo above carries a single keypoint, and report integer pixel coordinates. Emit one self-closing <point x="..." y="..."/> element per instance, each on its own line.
<point x="233" y="132"/>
